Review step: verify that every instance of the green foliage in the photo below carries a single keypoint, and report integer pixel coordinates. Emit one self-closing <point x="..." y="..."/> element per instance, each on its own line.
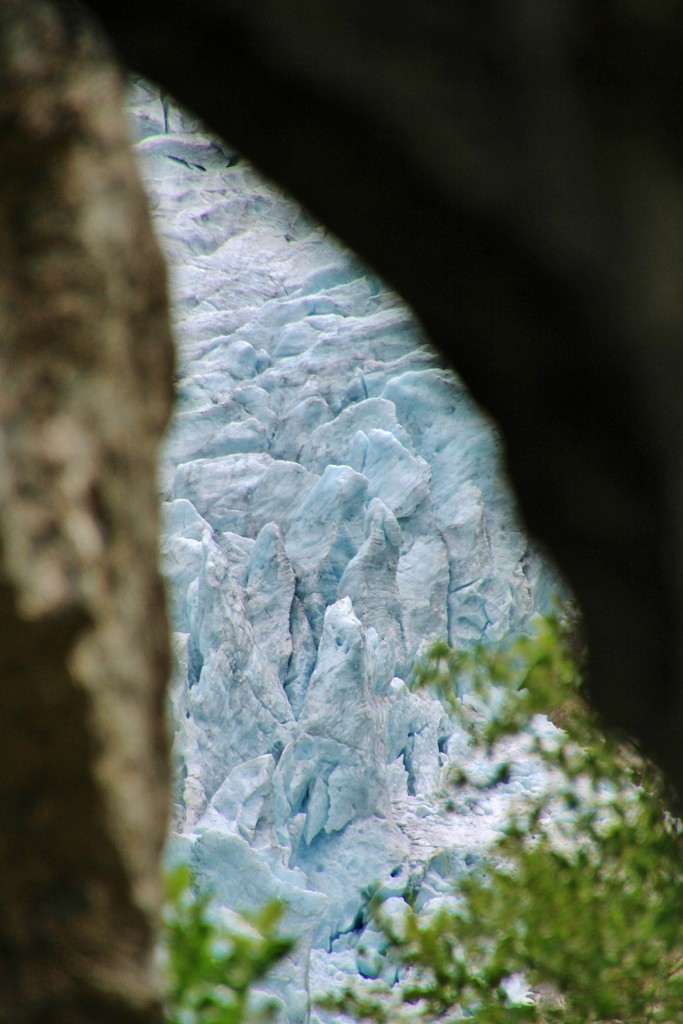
<point x="211" y="968"/>
<point x="583" y="894"/>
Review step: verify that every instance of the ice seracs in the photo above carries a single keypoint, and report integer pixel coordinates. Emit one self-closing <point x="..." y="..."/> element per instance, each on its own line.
<point x="369" y="580"/>
<point x="325" y="535"/>
<point x="333" y="502"/>
<point x="335" y="769"/>
<point x="269" y="589"/>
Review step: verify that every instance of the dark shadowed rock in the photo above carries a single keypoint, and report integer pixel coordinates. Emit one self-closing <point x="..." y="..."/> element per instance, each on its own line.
<point x="514" y="170"/>
<point x="85" y="392"/>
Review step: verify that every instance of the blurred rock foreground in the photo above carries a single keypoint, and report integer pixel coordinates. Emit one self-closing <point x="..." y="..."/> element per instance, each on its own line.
<point x="85" y="394"/>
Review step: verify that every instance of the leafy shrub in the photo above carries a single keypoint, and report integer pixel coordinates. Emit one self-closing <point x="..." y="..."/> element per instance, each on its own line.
<point x="211" y="968"/>
<point x="581" y="899"/>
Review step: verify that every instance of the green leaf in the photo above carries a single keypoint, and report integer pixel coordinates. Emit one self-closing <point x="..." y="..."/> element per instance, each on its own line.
<point x="212" y="968"/>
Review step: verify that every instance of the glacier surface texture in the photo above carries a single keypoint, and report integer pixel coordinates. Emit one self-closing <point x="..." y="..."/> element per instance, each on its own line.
<point x="334" y="502"/>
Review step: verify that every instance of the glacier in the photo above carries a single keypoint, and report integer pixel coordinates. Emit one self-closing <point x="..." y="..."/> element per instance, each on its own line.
<point x="334" y="501"/>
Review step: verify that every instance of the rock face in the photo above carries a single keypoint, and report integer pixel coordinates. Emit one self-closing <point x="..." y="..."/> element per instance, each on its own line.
<point x="85" y="393"/>
<point x="515" y="172"/>
<point x="334" y="502"/>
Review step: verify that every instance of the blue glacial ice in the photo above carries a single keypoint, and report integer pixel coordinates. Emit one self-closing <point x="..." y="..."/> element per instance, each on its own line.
<point x="333" y="501"/>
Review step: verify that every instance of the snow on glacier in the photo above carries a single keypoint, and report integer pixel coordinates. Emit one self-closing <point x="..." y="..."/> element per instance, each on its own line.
<point x="333" y="501"/>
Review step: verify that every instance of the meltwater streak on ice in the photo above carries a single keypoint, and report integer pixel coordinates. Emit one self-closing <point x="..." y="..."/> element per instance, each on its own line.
<point x="334" y="502"/>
